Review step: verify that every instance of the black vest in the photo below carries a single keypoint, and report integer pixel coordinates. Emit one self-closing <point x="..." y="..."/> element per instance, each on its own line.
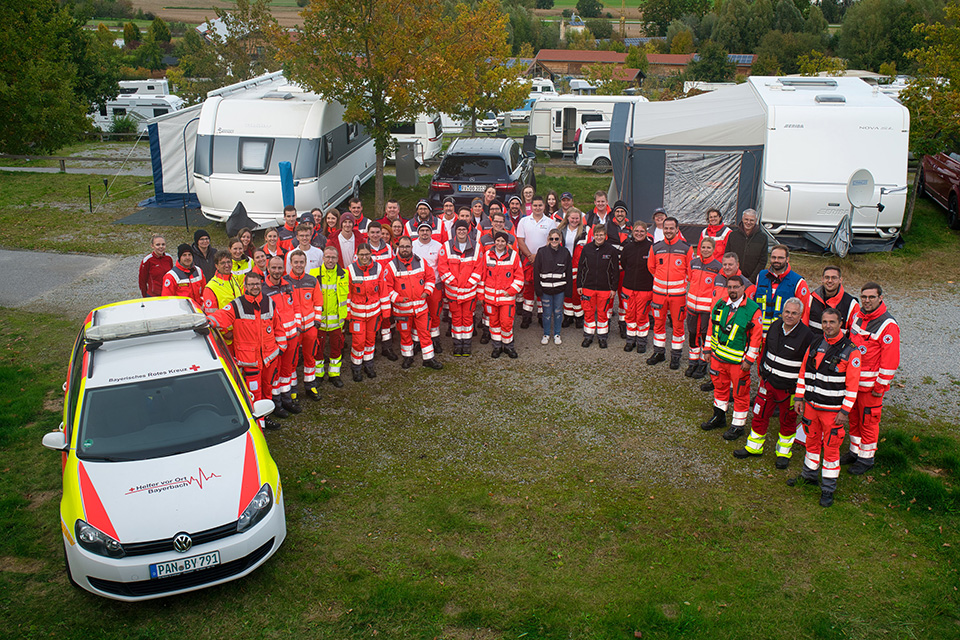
<point x="825" y="385"/>
<point x="783" y="355"/>
<point x="818" y="305"/>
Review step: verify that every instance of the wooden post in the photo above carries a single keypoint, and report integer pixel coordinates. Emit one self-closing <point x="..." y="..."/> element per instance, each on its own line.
<point x="63" y="165"/>
<point x="913" y="200"/>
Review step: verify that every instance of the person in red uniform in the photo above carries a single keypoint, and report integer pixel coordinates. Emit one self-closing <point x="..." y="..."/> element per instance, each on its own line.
<point x="877" y="337"/>
<point x="830" y="294"/>
<point x="459" y="264"/>
<point x="154" y="267"/>
<point x="258" y="338"/>
<point x="702" y="275"/>
<point x="410" y="281"/>
<point x="717" y="230"/>
<point x="637" y="287"/>
<point x="307" y="299"/>
<point x="669" y="264"/>
<point x="391" y="212"/>
<point x="382" y="253"/>
<point x="826" y="393"/>
<point x="369" y="304"/>
<point x="735" y="338"/>
<point x="502" y="280"/>
<point x="282" y="295"/>
<point x="598" y="275"/>
<point x="424" y="215"/>
<point x="287" y="239"/>
<point x="185" y="279"/>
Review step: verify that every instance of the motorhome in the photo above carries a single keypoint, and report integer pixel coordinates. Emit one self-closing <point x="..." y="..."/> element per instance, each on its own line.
<point x="139" y="100"/>
<point x="555" y="119"/>
<point x="246" y="131"/>
<point x="542" y="87"/>
<point x="787" y="147"/>
<point x="426" y="131"/>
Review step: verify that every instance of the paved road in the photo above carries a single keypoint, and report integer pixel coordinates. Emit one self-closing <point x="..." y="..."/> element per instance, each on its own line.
<point x="141" y="170"/>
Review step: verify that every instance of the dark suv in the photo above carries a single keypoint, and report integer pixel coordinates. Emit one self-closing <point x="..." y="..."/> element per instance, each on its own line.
<point x="473" y="164"/>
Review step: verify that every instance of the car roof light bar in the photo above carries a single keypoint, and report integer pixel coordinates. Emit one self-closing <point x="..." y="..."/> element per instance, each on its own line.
<point x="150" y="327"/>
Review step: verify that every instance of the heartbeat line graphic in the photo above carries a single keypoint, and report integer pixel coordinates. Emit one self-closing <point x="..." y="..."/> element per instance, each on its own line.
<point x="174" y="483"/>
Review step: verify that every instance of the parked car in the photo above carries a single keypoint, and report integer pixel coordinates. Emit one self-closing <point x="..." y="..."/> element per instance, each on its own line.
<point x="473" y="164"/>
<point x="489" y="123"/>
<point x="522" y="113"/>
<point x="168" y="485"/>
<point x="592" y="148"/>
<point x="940" y="179"/>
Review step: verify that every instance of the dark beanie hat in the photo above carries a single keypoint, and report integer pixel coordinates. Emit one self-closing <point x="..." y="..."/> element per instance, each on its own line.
<point x="620" y="204"/>
<point x="460" y="223"/>
<point x="199" y="233"/>
<point x="502" y="234"/>
<point x="182" y="249"/>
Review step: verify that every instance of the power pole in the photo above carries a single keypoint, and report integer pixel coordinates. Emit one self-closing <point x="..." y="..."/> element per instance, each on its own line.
<point x="623" y="19"/>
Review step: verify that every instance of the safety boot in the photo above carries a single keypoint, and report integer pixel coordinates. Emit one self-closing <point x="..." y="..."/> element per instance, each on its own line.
<point x="718" y="421"/>
<point x="623" y="328"/>
<point x="801" y="480"/>
<point x="278" y="409"/>
<point x="602" y="341"/>
<point x="587" y="341"/>
<point x="848" y="457"/>
<point x="733" y="433"/>
<point x="674" y="360"/>
<point x="312" y="391"/>
<point x="336" y="381"/>
<point x="497" y="349"/>
<point x="657" y="357"/>
<point x="707" y="386"/>
<point x="289" y="403"/>
<point x="578" y="322"/>
<point x="369" y="370"/>
<point x="642" y="345"/>
<point x="357" y="372"/>
<point x="700" y="371"/>
<point x="691" y="368"/>
<point x="526" y="321"/>
<point x="433" y="363"/>
<point x="743" y="454"/>
<point x="407" y="362"/>
<point x="567" y="321"/>
<point x="782" y="463"/>
<point x="388" y="352"/>
<point x="485" y="336"/>
<point x="631" y="342"/>
<point x="437" y="348"/>
<point x="510" y="351"/>
<point x="859" y="468"/>
<point x="271" y="425"/>
<point x="467" y="347"/>
<point x="826" y="498"/>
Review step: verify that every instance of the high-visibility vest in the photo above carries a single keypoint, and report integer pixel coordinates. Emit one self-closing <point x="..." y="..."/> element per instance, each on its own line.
<point x="731" y="331"/>
<point x="336" y="290"/>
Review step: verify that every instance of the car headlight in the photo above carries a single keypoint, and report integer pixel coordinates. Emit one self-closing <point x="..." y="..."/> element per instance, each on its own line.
<point x="259" y="507"/>
<point x="96" y="541"/>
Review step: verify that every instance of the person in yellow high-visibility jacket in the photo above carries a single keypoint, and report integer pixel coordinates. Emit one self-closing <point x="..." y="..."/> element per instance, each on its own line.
<point x="335" y="284"/>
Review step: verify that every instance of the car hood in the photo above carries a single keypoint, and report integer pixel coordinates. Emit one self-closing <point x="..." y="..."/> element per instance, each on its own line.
<point x="158" y="498"/>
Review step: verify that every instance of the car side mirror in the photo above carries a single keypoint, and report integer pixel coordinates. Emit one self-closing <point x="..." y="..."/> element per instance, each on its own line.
<point x="530" y="154"/>
<point x="263" y="408"/>
<point x="55" y="440"/>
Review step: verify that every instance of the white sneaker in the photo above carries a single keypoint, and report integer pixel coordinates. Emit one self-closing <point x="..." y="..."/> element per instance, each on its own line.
<point x="557" y="340"/>
<point x="545" y="340"/>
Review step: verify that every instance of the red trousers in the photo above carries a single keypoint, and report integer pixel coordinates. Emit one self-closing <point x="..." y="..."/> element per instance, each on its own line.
<point x="865" y="425"/>
<point x="435" y="307"/>
<point x="308" y="344"/>
<point x="596" y="311"/>
<point x="501" y="321"/>
<point x="822" y="435"/>
<point x="573" y="306"/>
<point x="420" y="323"/>
<point x="288" y="364"/>
<point x="767" y="401"/>
<point x="363" y="338"/>
<point x="676" y="308"/>
<point x="621" y="300"/>
<point x="461" y="318"/>
<point x="637" y="312"/>
<point x="262" y="380"/>
<point x="529" y="293"/>
<point x="724" y="376"/>
<point x="335" y="341"/>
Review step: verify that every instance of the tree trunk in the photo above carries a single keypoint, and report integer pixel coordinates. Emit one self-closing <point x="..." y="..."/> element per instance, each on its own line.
<point x="378" y="185"/>
<point x="473" y="123"/>
<point x="913" y="200"/>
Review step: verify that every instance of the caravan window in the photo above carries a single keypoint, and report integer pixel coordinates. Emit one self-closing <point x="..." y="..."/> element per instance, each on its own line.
<point x="119" y="111"/>
<point x="591" y="117"/>
<point x="327" y="148"/>
<point x="557" y="120"/>
<point x="160" y="112"/>
<point x="255" y="155"/>
<point x="438" y="124"/>
<point x="353" y="129"/>
<point x="406" y="128"/>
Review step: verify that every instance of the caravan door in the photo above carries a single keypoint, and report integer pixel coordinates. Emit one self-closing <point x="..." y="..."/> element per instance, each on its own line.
<point x="569" y="129"/>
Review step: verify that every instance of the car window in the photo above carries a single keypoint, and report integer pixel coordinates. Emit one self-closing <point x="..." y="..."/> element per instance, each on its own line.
<point x="514" y="155"/>
<point x="601" y="136"/>
<point x="73" y="385"/>
<point x="465" y="167"/>
<point x="156" y="418"/>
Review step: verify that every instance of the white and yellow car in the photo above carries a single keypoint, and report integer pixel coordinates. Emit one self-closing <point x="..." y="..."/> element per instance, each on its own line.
<point x="168" y="485"/>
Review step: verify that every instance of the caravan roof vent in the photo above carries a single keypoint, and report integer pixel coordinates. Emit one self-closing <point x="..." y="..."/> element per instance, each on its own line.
<point x="808" y="82"/>
<point x="831" y="99"/>
<point x="277" y="95"/>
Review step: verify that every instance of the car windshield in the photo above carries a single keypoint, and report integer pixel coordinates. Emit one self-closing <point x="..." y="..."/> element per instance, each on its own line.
<point x="466" y="167"/>
<point x="157" y="418"/>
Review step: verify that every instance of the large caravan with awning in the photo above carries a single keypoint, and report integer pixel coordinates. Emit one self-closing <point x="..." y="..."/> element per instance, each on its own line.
<point x="786" y="147"/>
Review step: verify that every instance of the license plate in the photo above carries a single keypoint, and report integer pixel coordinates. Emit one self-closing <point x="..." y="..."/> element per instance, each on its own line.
<point x="473" y="188"/>
<point x="184" y="565"/>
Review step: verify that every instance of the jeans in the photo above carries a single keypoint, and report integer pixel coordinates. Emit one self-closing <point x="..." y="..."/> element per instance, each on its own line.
<point x="552" y="313"/>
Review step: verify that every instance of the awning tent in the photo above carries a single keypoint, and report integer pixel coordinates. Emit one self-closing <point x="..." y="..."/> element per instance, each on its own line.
<point x="173" y="140"/>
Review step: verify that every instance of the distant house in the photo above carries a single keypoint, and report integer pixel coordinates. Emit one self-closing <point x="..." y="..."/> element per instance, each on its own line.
<point x="667" y="64"/>
<point x="559" y="63"/>
<point x="216" y="28"/>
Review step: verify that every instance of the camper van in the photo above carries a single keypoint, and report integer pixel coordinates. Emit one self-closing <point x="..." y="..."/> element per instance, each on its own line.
<point x="555" y="119"/>
<point x="244" y="136"/>
<point x="139" y="100"/>
<point x="787" y="147"/>
<point x="542" y="87"/>
<point x="426" y="131"/>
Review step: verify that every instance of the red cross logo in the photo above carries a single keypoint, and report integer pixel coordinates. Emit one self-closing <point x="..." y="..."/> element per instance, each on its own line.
<point x="194" y="368"/>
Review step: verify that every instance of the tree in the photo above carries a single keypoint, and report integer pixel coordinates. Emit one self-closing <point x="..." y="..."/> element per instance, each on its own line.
<point x="787" y="17"/>
<point x="766" y="64"/>
<point x="658" y="14"/>
<point x="713" y="64"/>
<point x="589" y="8"/>
<point x="131" y="34"/>
<point x="878" y="31"/>
<point x="600" y="28"/>
<point x="676" y="28"/>
<point x="247" y="50"/>
<point x="544" y="4"/>
<point x="731" y="27"/>
<point x="815" y="24"/>
<point x="386" y="62"/>
<point x="602" y="77"/>
<point x="149" y="54"/>
<point x="816" y="63"/>
<point x="52" y="72"/>
<point x="785" y="49"/>
<point x="159" y="31"/>
<point x="933" y="96"/>
<point x="637" y="59"/>
<point x="682" y="42"/>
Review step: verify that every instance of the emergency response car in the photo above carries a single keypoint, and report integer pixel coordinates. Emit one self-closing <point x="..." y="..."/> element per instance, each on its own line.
<point x="168" y="485"/>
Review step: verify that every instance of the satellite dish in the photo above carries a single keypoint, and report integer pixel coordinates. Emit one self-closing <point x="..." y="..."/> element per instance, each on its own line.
<point x="860" y="189"/>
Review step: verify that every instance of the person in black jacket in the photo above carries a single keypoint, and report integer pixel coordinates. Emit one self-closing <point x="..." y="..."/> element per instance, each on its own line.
<point x="203" y="253"/>
<point x="598" y="275"/>
<point x="552" y="280"/>
<point x="749" y="242"/>
<point x="637" y="287"/>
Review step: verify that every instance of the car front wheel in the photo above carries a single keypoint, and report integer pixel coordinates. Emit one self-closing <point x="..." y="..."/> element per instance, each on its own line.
<point x="602" y="165"/>
<point x="953" y="218"/>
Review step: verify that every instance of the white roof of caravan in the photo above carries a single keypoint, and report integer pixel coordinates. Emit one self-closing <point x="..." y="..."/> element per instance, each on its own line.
<point x="731" y="117"/>
<point x="805" y="91"/>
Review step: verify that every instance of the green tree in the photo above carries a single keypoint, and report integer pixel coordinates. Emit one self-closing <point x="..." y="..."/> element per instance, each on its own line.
<point x="600" y="28"/>
<point x="787" y="17"/>
<point x="816" y="63"/>
<point x="589" y="8"/>
<point x="933" y="96"/>
<point x="730" y="30"/>
<point x="785" y="49"/>
<point x="712" y="65"/>
<point x="815" y="24"/>
<point x="52" y="72"/>
<point x="386" y="62"/>
<point x="766" y="64"/>
<point x="759" y="22"/>
<point x="878" y="31"/>
<point x="544" y="4"/>
<point x="658" y="14"/>
<point x="676" y="28"/>
<point x="602" y="77"/>
<point x="247" y="50"/>
<point x="149" y="54"/>
<point x="682" y="42"/>
<point x="131" y="34"/>
<point x="637" y="59"/>
<point x="159" y="31"/>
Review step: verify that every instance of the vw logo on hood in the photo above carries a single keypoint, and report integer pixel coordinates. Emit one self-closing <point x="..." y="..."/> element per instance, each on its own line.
<point x="182" y="542"/>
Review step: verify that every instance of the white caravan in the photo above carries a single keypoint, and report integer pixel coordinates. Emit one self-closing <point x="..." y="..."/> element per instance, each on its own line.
<point x="540" y="87"/>
<point x="555" y="119"/>
<point x="139" y="100"/>
<point x="426" y="131"/>
<point x="245" y="131"/>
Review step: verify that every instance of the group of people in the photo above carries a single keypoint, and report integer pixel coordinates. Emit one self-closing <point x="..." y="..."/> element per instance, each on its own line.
<point x="822" y="356"/>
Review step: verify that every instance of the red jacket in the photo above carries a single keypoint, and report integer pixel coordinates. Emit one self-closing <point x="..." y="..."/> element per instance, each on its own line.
<point x="384" y="254"/>
<point x="307" y="299"/>
<point x="702" y="279"/>
<point x="720" y="237"/>
<point x="368" y="291"/>
<point x="669" y="263"/>
<point x="282" y="296"/>
<point x="410" y="228"/>
<point x="407" y="281"/>
<point x="334" y="241"/>
<point x="720" y="286"/>
<point x="258" y="336"/>
<point x="460" y="270"/>
<point x="877" y="337"/>
<point x="152" y="271"/>
<point x="188" y="283"/>
<point x="288" y="238"/>
<point x="502" y="277"/>
<point x="830" y="387"/>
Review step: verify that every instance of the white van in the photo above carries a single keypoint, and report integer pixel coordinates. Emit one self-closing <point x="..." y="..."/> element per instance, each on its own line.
<point x="243" y="136"/>
<point x="555" y="119"/>
<point x="139" y="100"/>
<point x="593" y="146"/>
<point x="542" y="87"/>
<point x="426" y="131"/>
